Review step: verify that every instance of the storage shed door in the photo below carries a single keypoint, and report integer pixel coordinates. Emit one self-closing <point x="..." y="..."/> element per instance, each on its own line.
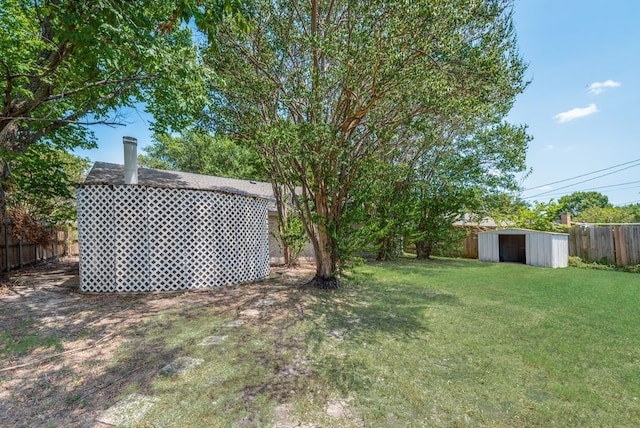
<point x="512" y="248"/>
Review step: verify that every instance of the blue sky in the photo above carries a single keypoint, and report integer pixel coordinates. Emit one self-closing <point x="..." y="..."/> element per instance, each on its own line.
<point x="582" y="105"/>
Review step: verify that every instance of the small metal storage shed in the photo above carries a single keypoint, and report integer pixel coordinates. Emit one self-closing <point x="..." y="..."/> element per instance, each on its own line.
<point x="532" y="247"/>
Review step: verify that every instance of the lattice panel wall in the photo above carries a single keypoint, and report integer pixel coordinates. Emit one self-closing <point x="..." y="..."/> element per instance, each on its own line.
<point x="136" y="238"/>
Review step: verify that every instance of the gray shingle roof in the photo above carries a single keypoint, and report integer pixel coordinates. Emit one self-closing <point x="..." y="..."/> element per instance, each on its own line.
<point x="113" y="174"/>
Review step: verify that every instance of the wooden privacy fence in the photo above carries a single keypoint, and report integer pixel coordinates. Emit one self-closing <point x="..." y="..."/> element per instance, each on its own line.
<point x="619" y="245"/>
<point x="468" y="247"/>
<point x="15" y="254"/>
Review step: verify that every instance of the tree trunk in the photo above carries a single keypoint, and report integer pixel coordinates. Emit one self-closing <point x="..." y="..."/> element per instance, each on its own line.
<point x="423" y="250"/>
<point x="390" y="248"/>
<point x="4" y="175"/>
<point x="385" y="249"/>
<point x="325" y="245"/>
<point x="282" y="201"/>
<point x="326" y="262"/>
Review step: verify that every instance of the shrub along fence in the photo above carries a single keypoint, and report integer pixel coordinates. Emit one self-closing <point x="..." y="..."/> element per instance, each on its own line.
<point x="15" y="254"/>
<point x="615" y="245"/>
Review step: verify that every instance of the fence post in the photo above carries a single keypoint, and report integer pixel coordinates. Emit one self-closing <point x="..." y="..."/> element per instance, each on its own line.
<point x="620" y="246"/>
<point x="586" y="243"/>
<point x="20" y="262"/>
<point x="7" y="257"/>
<point x="66" y="241"/>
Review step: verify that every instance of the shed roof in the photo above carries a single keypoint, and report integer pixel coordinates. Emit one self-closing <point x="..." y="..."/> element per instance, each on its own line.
<point x="514" y="230"/>
<point x="113" y="174"/>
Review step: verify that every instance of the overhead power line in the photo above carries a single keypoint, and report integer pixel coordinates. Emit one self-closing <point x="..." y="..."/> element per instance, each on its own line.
<point x="583" y="181"/>
<point x="580" y="176"/>
<point x="594" y="188"/>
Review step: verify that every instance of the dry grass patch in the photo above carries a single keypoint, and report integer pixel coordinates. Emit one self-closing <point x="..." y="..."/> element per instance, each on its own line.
<point x="438" y="343"/>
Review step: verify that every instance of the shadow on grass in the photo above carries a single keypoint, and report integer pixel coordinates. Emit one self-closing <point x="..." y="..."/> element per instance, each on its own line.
<point x="366" y="308"/>
<point x="59" y="362"/>
<point x="65" y="357"/>
<point x="70" y="356"/>
<point x="374" y="311"/>
<point x="118" y="343"/>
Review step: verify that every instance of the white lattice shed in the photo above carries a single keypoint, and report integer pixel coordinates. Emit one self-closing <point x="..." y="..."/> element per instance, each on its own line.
<point x="171" y="231"/>
<point x="532" y="247"/>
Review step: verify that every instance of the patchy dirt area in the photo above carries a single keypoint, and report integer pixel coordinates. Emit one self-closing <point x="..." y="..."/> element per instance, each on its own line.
<point x="57" y="344"/>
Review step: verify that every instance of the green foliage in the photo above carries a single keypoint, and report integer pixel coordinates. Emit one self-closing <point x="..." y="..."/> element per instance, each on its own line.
<point x="457" y="176"/>
<point x="331" y="91"/>
<point x="66" y="64"/>
<point x="632" y="269"/>
<point x="603" y="265"/>
<point x="453" y="176"/>
<point x="380" y="207"/>
<point x="540" y="216"/>
<point x="293" y="236"/>
<point x="609" y="214"/>
<point x="202" y="153"/>
<point x="42" y="183"/>
<point x="635" y="211"/>
<point x="449" y="243"/>
<point x="579" y="263"/>
<point x="577" y="202"/>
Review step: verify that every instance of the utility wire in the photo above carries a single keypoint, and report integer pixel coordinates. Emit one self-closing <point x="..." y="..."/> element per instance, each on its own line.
<point x="580" y="176"/>
<point x="594" y="188"/>
<point x="583" y="181"/>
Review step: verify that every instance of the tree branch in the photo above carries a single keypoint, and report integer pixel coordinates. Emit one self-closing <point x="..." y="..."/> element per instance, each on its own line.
<point x="8" y="89"/>
<point x="68" y="121"/>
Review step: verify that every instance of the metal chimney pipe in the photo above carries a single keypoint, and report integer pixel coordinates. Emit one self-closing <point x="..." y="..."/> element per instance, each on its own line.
<point x="130" y="160"/>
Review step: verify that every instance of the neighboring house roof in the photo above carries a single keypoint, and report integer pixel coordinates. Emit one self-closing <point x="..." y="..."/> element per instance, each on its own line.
<point x="113" y="174"/>
<point x="468" y="220"/>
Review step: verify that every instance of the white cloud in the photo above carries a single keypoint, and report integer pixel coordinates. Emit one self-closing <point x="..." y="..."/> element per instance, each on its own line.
<point x="598" y="87"/>
<point x="549" y="147"/>
<point x="575" y="113"/>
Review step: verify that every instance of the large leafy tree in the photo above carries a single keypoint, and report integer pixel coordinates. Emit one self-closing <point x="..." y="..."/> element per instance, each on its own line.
<point x="455" y="174"/>
<point x="203" y="153"/>
<point x="537" y="216"/>
<point x="577" y="202"/>
<point x="609" y="214"/>
<point x="634" y="209"/>
<point x="325" y="88"/>
<point x="66" y="64"/>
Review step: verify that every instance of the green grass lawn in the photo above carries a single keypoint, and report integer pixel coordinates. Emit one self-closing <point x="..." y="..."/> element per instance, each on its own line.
<point x="437" y="343"/>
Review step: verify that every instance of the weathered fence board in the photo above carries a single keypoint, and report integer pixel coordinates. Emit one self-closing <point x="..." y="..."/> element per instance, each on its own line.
<point x="15" y="254"/>
<point x="619" y="245"/>
<point x="631" y="240"/>
<point x="470" y="245"/>
<point x="602" y="245"/>
<point x="467" y="249"/>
